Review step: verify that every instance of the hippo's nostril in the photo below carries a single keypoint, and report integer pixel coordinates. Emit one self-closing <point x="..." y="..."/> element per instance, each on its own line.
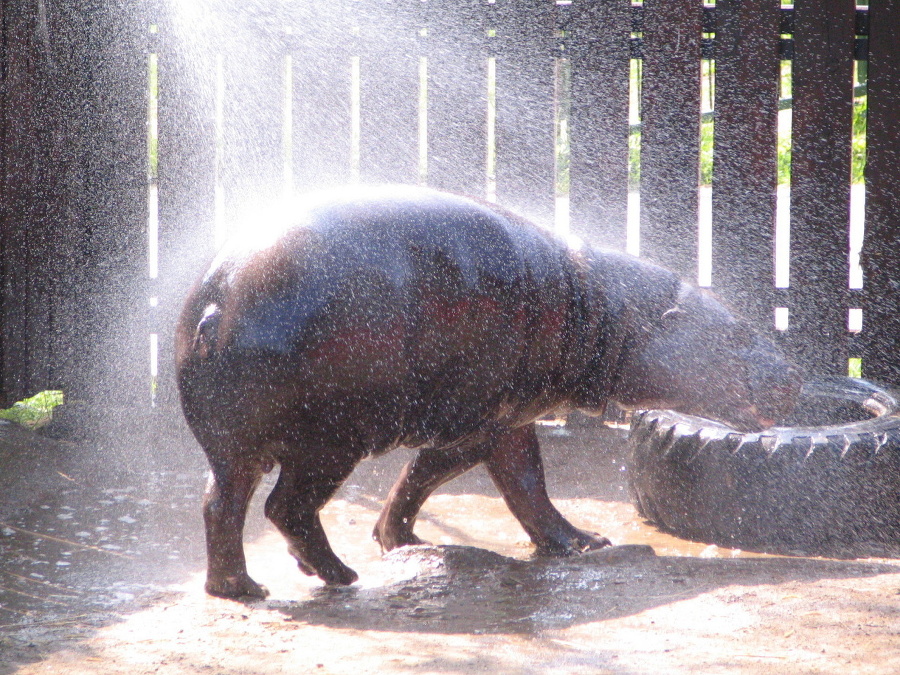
<point x="752" y="420"/>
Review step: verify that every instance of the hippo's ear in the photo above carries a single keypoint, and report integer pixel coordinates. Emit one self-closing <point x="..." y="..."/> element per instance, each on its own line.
<point x="671" y="313"/>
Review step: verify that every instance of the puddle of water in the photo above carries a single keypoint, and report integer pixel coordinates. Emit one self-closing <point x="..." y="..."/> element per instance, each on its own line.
<point x="85" y="547"/>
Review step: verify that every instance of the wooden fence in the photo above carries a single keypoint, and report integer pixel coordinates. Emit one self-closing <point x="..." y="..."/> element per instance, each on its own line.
<point x="73" y="196"/>
<point x="524" y="101"/>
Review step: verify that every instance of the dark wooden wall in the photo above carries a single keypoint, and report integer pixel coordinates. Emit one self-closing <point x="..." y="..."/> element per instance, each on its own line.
<point x="74" y="178"/>
<point x="72" y="199"/>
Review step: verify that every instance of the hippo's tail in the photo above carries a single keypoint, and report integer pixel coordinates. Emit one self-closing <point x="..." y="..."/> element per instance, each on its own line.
<point x="206" y="332"/>
<point x="199" y="324"/>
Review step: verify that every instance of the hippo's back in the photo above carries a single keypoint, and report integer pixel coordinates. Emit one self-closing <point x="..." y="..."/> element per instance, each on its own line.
<point x="422" y="313"/>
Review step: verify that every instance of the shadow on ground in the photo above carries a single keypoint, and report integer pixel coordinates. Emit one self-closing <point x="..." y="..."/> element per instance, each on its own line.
<point x="454" y="589"/>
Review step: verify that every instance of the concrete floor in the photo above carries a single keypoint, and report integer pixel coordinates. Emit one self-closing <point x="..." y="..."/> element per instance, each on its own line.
<point x="101" y="571"/>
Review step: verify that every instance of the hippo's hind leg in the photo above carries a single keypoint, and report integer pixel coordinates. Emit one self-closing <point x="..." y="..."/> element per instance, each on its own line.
<point x="517" y="470"/>
<point x="302" y="490"/>
<point x="428" y="470"/>
<point x="228" y="492"/>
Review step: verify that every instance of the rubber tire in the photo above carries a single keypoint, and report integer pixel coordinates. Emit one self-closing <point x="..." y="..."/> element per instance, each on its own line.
<point x="814" y="489"/>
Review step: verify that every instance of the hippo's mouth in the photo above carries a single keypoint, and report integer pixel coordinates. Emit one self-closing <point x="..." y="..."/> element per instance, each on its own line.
<point x="826" y="402"/>
<point x="837" y="401"/>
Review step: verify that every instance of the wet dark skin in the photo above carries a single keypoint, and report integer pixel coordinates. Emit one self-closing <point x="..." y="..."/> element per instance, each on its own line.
<point x="381" y="317"/>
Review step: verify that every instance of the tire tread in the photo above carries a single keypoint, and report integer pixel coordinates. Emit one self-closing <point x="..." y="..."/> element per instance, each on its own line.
<point x="822" y="490"/>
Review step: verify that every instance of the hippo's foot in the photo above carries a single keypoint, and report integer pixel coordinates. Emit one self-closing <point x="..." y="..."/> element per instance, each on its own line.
<point x="330" y="570"/>
<point x="235" y="587"/>
<point x="571" y="541"/>
<point x="390" y="538"/>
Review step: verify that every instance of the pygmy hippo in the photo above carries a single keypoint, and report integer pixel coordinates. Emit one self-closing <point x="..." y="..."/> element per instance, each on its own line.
<point x="387" y="316"/>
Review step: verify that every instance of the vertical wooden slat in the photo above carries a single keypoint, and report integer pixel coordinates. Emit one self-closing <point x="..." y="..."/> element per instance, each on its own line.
<point x="25" y="145"/>
<point x="881" y="249"/>
<point x="186" y="169"/>
<point x="457" y="96"/>
<point x="820" y="182"/>
<point x="389" y="92"/>
<point x="252" y="151"/>
<point x="525" y="160"/>
<point x="37" y="185"/>
<point x="747" y="70"/>
<point x="117" y="242"/>
<point x="670" y="133"/>
<point x="6" y="316"/>
<point x="70" y="337"/>
<point x="321" y="109"/>
<point x="598" y="187"/>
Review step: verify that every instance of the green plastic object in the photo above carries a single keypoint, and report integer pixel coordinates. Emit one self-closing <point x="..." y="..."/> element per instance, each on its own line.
<point x="34" y="412"/>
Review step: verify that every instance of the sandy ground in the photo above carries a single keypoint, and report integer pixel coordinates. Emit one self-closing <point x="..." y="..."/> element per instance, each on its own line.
<point x="76" y="598"/>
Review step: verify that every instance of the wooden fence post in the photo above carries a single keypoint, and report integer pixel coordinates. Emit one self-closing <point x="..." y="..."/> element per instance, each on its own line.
<point x="598" y="171"/>
<point x="389" y="92"/>
<point x="186" y="184"/>
<point x="457" y="96"/>
<point x="670" y="134"/>
<point x="115" y="138"/>
<point x="745" y="158"/>
<point x="26" y="203"/>
<point x="525" y="166"/>
<point x="251" y="153"/>
<point x="820" y="183"/>
<point x="74" y="199"/>
<point x="322" y="43"/>
<point x="881" y="249"/>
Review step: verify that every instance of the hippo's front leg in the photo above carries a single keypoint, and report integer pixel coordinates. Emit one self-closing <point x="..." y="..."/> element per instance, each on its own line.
<point x="517" y="470"/>
<point x="514" y="462"/>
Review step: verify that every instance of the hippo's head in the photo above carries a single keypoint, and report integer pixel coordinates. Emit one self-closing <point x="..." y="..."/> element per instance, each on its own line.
<point x="697" y="358"/>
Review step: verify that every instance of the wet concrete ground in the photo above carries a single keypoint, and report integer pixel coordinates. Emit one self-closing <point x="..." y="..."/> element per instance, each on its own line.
<point x="101" y="570"/>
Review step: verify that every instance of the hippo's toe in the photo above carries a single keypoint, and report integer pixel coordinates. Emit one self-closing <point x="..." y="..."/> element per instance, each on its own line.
<point x="572" y="542"/>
